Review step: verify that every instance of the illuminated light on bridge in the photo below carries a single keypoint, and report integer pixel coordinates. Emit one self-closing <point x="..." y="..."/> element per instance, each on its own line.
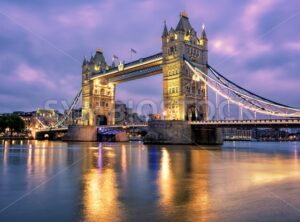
<point x="241" y="97"/>
<point x="272" y="123"/>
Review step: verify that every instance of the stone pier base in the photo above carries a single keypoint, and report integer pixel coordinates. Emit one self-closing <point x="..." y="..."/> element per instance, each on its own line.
<point x="181" y="132"/>
<point x="207" y="135"/>
<point x="168" y="132"/>
<point x="81" y="133"/>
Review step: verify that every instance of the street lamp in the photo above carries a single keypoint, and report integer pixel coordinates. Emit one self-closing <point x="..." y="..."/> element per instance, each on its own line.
<point x="164" y="114"/>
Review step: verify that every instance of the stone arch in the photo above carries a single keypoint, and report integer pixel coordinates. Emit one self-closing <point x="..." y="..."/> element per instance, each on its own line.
<point x="101" y="120"/>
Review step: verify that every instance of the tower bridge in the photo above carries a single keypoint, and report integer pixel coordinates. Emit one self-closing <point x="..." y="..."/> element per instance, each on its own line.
<point x="99" y="80"/>
<point x="187" y="76"/>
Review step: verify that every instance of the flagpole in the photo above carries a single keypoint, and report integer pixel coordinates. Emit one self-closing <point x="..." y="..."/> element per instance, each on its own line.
<point x="131" y="52"/>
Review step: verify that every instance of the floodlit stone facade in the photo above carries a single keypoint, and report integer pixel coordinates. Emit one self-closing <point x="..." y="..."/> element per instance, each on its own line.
<point x="184" y="98"/>
<point x="98" y="95"/>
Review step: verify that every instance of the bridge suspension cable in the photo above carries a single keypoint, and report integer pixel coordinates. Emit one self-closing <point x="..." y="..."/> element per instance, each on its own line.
<point x="229" y="83"/>
<point x="41" y="123"/>
<point x="69" y="111"/>
<point x="240" y="96"/>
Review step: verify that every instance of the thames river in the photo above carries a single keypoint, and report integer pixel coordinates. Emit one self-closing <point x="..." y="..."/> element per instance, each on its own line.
<point x="240" y="181"/>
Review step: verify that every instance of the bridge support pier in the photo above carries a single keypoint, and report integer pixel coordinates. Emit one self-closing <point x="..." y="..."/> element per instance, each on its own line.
<point x="181" y="132"/>
<point x="207" y="135"/>
<point x="81" y="133"/>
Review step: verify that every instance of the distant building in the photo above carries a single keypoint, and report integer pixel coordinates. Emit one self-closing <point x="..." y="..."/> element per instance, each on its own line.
<point x="154" y="117"/>
<point x="38" y="119"/>
<point x="28" y="118"/>
<point x="237" y="134"/>
<point x="262" y="134"/>
<point x="74" y="117"/>
<point x="125" y="115"/>
<point x="272" y="134"/>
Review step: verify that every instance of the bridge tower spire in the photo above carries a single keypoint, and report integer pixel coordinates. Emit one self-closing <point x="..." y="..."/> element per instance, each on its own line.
<point x="184" y="99"/>
<point x="165" y="32"/>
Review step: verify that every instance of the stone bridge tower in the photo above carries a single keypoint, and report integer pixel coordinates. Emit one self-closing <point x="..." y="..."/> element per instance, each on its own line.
<point x="184" y="99"/>
<point x="98" y="96"/>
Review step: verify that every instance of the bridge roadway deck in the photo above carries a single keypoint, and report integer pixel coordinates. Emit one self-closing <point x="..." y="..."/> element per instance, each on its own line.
<point x="140" y="68"/>
<point x="125" y="126"/>
<point x="103" y="127"/>
<point x="51" y="129"/>
<point x="280" y="123"/>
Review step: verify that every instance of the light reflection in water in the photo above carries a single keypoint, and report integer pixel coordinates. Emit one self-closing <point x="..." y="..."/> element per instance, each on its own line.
<point x="200" y="199"/>
<point x="5" y="156"/>
<point x="124" y="159"/>
<point x="100" y="194"/>
<point x="42" y="158"/>
<point x="29" y="160"/>
<point x="295" y="154"/>
<point x="278" y="170"/>
<point x="115" y="182"/>
<point x="165" y="180"/>
<point x="100" y="158"/>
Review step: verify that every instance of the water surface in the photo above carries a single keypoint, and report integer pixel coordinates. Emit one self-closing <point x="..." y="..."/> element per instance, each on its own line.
<point x="57" y="181"/>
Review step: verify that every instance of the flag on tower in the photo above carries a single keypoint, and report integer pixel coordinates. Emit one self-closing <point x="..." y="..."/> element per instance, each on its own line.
<point x="115" y="57"/>
<point x="133" y="51"/>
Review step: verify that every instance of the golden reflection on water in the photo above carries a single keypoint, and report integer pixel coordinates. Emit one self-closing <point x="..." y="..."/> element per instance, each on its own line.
<point x="165" y="179"/>
<point x="42" y="159"/>
<point x="246" y="170"/>
<point x="273" y="171"/>
<point x="5" y="155"/>
<point x="29" y="160"/>
<point x="124" y="159"/>
<point x="183" y="184"/>
<point x="200" y="199"/>
<point x="100" y="193"/>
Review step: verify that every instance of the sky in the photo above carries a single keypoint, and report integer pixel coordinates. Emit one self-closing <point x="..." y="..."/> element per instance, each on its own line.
<point x="255" y="43"/>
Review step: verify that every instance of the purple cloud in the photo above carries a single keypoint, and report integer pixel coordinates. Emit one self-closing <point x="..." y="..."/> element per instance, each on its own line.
<point x="43" y="44"/>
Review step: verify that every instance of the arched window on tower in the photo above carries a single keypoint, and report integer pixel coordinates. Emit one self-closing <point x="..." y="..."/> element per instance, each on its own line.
<point x="102" y="92"/>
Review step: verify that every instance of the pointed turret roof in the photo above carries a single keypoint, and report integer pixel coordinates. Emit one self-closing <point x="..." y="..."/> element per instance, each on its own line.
<point x="84" y="61"/>
<point x="165" y="32"/>
<point x="203" y="34"/>
<point x="184" y="23"/>
<point x="113" y="64"/>
<point x="92" y="58"/>
<point x="99" y="58"/>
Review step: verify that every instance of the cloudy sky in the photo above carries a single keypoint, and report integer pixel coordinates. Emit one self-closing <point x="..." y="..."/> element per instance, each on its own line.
<point x="256" y="43"/>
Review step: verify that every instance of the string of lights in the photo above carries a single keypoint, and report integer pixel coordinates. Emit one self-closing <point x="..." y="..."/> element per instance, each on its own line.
<point x="253" y="103"/>
<point x="250" y="94"/>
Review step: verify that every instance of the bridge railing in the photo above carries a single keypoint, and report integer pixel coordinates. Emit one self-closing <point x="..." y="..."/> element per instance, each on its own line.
<point x="124" y="126"/>
<point x="263" y="121"/>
